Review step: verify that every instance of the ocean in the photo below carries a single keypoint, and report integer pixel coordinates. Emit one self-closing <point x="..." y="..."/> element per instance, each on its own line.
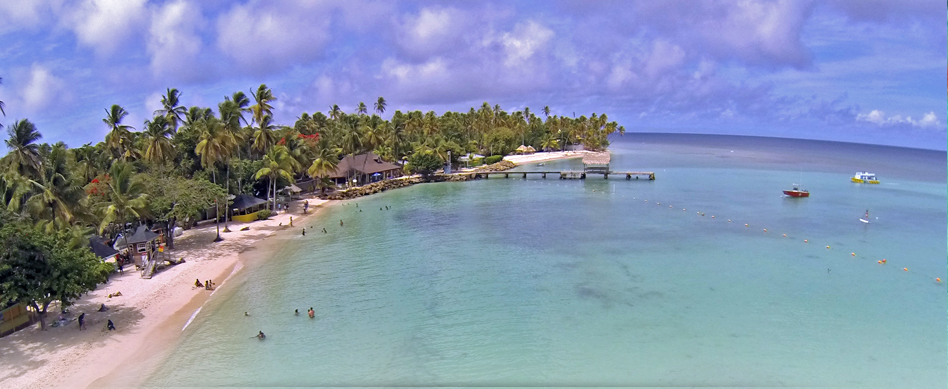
<point x="672" y="282"/>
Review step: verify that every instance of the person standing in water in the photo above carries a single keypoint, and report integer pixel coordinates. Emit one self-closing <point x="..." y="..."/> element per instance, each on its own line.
<point x="312" y="313"/>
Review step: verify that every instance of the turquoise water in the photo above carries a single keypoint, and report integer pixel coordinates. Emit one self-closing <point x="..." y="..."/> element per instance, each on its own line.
<point x="513" y="282"/>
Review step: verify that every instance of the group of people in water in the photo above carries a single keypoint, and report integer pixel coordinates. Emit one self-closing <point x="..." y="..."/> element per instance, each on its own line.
<point x="296" y="312"/>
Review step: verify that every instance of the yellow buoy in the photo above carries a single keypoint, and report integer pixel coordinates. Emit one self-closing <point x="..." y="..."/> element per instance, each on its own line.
<point x="880" y="262"/>
<point x="827" y="247"/>
<point x="854" y="254"/>
<point x="938" y="280"/>
<point x="904" y="269"/>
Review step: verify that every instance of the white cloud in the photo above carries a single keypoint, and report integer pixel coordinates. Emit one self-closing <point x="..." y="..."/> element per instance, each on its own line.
<point x="173" y="42"/>
<point x="267" y="36"/>
<point x="431" y="32"/>
<point x="525" y="41"/>
<point x="19" y="14"/>
<point x="106" y="25"/>
<point x="929" y="120"/>
<point x="41" y="90"/>
<point x="153" y="102"/>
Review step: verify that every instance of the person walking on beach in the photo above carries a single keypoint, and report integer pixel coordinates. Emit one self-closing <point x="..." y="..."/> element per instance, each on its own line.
<point x="305" y="206"/>
<point x="304" y="231"/>
<point x="82" y="321"/>
<point x="340" y="222"/>
<point x="324" y="230"/>
<point x="111" y="325"/>
<point x="291" y="221"/>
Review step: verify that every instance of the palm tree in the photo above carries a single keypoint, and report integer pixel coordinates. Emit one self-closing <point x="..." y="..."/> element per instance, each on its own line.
<point x="263" y="96"/>
<point x="546" y="111"/>
<point x="380" y="105"/>
<point x="277" y="163"/>
<point x="326" y="162"/>
<point x="263" y="136"/>
<point x="214" y="147"/>
<point x="231" y="115"/>
<point x="126" y="197"/>
<point x="157" y="138"/>
<point x="119" y="138"/>
<point x="334" y="112"/>
<point x="24" y="155"/>
<point x="56" y="197"/>
<point x="362" y="110"/>
<point x="170" y="108"/>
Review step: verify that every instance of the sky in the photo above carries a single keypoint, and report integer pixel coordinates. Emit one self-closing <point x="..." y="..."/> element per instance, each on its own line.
<point x="865" y="71"/>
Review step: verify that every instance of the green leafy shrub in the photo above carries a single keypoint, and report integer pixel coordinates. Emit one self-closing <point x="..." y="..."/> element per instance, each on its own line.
<point x="477" y="161"/>
<point x="493" y="159"/>
<point x="263" y="214"/>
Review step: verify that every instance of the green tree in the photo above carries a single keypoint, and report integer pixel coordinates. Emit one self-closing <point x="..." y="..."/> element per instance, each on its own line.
<point x="24" y="155"/>
<point x="263" y="137"/>
<point x="325" y="163"/>
<point x="126" y="199"/>
<point x="173" y="198"/>
<point x="56" y="197"/>
<point x="277" y="163"/>
<point x="362" y="109"/>
<point x="380" y="105"/>
<point x="171" y="110"/>
<point x="119" y="138"/>
<point x="39" y="267"/>
<point x="158" y="133"/>
<point x="425" y="162"/>
<point x="263" y="97"/>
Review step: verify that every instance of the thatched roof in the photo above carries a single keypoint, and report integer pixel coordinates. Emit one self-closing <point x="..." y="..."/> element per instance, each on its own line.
<point x="597" y="158"/>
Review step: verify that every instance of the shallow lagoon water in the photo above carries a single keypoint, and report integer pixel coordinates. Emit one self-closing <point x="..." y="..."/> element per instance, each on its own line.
<point x="514" y="282"/>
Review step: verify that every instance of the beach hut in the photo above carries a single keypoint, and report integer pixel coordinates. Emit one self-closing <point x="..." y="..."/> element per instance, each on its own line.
<point x="138" y="241"/>
<point x="597" y="162"/>
<point x="363" y="169"/>
<point x="245" y="208"/>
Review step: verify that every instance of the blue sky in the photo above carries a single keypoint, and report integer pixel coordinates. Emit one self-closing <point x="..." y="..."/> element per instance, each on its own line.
<point x="865" y="71"/>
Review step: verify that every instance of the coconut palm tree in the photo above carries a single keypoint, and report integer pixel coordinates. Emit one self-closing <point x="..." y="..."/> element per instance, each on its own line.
<point x="362" y="109"/>
<point x="335" y="113"/>
<point x="24" y="155"/>
<point x="277" y="163"/>
<point x="119" y="138"/>
<point x="263" y="137"/>
<point x="157" y="138"/>
<point x="126" y="198"/>
<point x="380" y="105"/>
<point x="56" y="198"/>
<point x="170" y="108"/>
<point x="214" y="147"/>
<point x="546" y="111"/>
<point x="325" y="163"/>
<point x="263" y="96"/>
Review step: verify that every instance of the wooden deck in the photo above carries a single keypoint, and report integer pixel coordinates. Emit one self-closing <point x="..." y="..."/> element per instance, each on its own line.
<point x="563" y="175"/>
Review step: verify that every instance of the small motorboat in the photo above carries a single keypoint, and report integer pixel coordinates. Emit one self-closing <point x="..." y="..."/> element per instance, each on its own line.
<point x="797" y="192"/>
<point x="864" y="178"/>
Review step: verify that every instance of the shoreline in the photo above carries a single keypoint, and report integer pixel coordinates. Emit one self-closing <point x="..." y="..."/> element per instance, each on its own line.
<point x="146" y="332"/>
<point x="149" y="317"/>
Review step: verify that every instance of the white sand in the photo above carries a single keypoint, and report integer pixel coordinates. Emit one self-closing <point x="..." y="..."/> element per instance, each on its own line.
<point x="149" y="316"/>
<point x="545" y="156"/>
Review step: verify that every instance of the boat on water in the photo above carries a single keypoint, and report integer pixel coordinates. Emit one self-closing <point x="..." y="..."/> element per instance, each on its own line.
<point x="865" y="219"/>
<point x="864" y="178"/>
<point x="797" y="192"/>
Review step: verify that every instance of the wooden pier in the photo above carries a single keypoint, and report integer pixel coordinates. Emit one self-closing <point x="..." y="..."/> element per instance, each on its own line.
<point x="563" y="175"/>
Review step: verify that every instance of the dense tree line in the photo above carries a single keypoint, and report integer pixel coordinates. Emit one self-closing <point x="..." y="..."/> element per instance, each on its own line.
<point x="183" y="161"/>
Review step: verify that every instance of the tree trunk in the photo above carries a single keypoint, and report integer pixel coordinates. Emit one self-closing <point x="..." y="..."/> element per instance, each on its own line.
<point x="170" y="238"/>
<point x="41" y="313"/>
<point x="217" y="211"/>
<point x="226" y="206"/>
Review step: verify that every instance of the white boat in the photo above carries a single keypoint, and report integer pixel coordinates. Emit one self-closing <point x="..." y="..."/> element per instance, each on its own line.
<point x="864" y="178"/>
<point x="866" y="218"/>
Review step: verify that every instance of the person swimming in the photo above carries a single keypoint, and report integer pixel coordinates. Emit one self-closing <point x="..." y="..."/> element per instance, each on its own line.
<point x="246" y="314"/>
<point x="296" y="312"/>
<point x="261" y="336"/>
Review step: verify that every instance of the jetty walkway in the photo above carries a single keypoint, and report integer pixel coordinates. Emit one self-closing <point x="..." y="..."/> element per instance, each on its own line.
<point x="563" y="175"/>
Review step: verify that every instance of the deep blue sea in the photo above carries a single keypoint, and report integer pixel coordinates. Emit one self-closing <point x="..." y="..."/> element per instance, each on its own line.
<point x="672" y="282"/>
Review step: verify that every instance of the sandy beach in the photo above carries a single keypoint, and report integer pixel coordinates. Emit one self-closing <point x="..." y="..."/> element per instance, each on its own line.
<point x="545" y="156"/>
<point x="148" y="316"/>
<point x="151" y="313"/>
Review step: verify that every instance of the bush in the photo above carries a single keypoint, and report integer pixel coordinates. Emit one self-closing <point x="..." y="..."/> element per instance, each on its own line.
<point x="477" y="161"/>
<point x="263" y="214"/>
<point x="493" y="159"/>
